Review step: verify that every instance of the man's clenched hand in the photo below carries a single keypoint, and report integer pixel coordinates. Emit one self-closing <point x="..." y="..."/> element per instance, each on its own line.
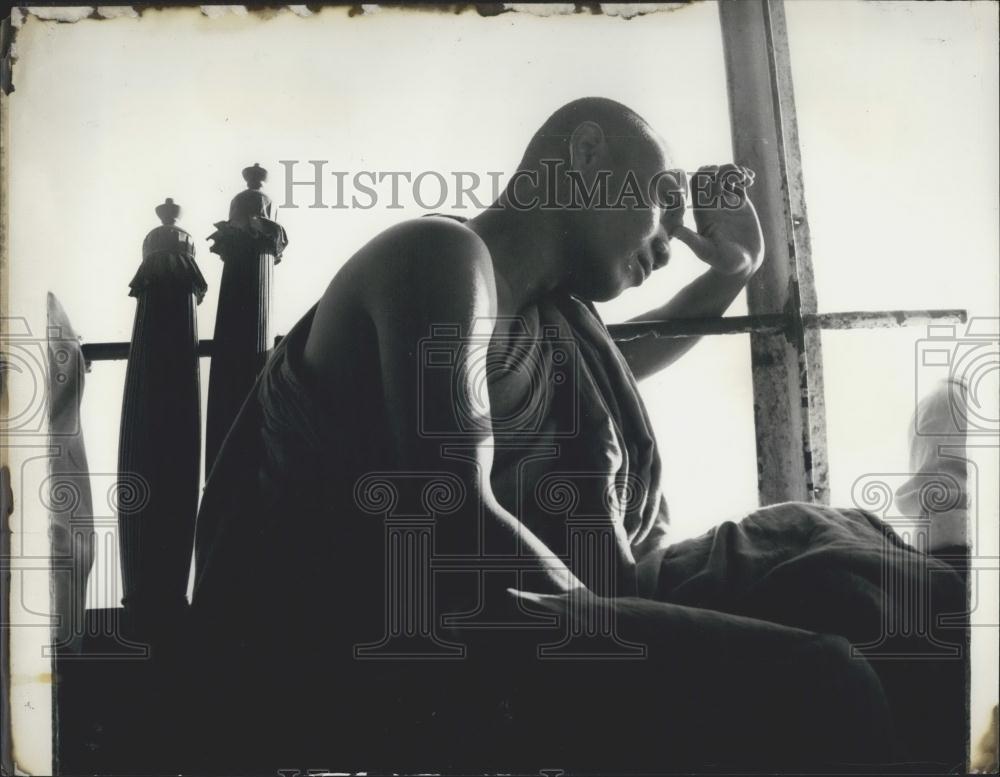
<point x="729" y="237"/>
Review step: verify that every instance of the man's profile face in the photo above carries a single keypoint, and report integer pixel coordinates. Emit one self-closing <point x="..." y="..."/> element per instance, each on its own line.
<point x="613" y="248"/>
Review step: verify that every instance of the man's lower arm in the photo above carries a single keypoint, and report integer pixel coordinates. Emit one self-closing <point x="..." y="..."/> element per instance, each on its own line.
<point x="707" y="296"/>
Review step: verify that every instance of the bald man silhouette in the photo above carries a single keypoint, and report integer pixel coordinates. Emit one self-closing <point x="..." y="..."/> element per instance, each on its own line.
<point x="294" y="573"/>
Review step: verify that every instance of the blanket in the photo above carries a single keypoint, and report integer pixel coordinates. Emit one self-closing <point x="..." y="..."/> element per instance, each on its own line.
<point x="823" y="573"/>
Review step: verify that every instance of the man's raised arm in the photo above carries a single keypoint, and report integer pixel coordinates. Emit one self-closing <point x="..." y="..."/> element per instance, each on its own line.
<point x="729" y="241"/>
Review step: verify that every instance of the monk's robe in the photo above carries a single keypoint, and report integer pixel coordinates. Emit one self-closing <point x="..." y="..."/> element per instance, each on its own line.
<point x="573" y="447"/>
<point x="745" y="630"/>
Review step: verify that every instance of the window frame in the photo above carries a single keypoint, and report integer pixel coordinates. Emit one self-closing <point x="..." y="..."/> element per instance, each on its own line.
<point x="784" y="326"/>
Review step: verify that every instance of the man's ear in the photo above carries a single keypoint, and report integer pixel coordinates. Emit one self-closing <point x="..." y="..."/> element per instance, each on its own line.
<point x="587" y="146"/>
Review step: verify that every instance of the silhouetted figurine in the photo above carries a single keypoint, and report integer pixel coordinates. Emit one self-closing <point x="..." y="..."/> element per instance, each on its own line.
<point x="71" y="506"/>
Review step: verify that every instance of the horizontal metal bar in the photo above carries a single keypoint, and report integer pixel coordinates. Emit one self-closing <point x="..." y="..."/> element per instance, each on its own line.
<point x="109" y="352"/>
<point x="778" y="322"/>
<point x="883" y="319"/>
<point x="677" y="327"/>
<point x="687" y="327"/>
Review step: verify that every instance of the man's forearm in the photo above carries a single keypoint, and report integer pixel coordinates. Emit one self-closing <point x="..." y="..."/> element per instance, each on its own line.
<point x="707" y="296"/>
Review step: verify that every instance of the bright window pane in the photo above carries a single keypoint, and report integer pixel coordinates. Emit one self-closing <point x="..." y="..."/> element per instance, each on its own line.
<point x="702" y="411"/>
<point x="873" y="382"/>
<point x="310" y="101"/>
<point x="897" y="112"/>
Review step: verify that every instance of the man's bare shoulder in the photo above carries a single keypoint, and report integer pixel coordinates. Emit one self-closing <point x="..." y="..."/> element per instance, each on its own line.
<point x="415" y="272"/>
<point x="435" y="259"/>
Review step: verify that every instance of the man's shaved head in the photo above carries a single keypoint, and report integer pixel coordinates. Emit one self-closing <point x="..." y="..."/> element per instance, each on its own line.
<point x="596" y="145"/>
<point x="627" y="133"/>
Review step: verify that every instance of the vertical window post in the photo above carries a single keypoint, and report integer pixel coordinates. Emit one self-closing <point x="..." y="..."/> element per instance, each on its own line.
<point x="787" y="365"/>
